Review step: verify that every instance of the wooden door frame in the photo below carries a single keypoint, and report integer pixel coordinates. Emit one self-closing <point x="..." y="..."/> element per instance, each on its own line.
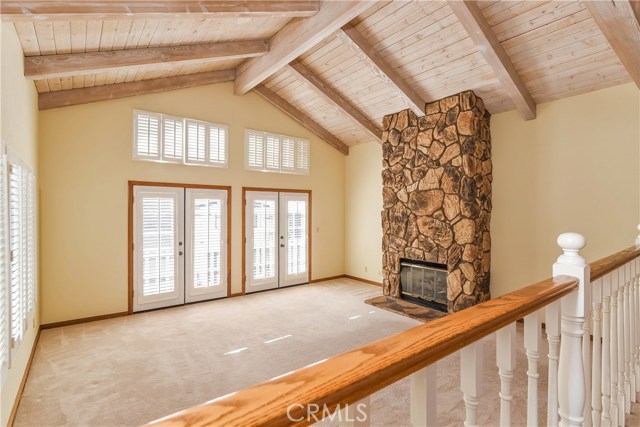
<point x="244" y="226"/>
<point x="130" y="237"/>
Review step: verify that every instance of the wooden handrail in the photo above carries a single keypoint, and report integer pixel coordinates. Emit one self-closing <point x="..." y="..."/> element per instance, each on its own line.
<point x="351" y="376"/>
<point x="608" y="264"/>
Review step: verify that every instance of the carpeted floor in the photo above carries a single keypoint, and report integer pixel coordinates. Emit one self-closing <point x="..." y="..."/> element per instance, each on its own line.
<point x="131" y="370"/>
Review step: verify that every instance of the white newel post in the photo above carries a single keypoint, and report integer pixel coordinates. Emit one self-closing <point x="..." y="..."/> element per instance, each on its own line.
<point x="471" y="380"/>
<point x="423" y="411"/>
<point x="506" y="361"/>
<point x="532" y="347"/>
<point x="596" y="374"/>
<point x="619" y="276"/>
<point x="636" y="298"/>
<point x="627" y="339"/>
<point x="552" y="316"/>
<point x="632" y="330"/>
<point x="613" y="350"/>
<point x="571" y="390"/>
<point x="606" y="356"/>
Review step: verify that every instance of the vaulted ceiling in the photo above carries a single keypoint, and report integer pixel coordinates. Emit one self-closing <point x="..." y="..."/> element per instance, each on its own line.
<point x="335" y="66"/>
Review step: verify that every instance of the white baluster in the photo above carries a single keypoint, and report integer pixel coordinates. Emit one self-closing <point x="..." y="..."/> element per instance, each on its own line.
<point x="506" y="362"/>
<point x="627" y="339"/>
<point x="596" y="374"/>
<point x="606" y="351"/>
<point x="571" y="390"/>
<point x="552" y="317"/>
<point x="632" y="330"/>
<point x="636" y="298"/>
<point x="620" y="349"/>
<point x="423" y="410"/>
<point x="532" y="347"/>
<point x="613" y="350"/>
<point x="471" y="380"/>
<point x="586" y="360"/>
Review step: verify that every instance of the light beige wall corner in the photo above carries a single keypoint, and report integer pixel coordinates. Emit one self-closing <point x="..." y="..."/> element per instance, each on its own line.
<point x="363" y="204"/>
<point x="19" y="131"/>
<point x="574" y="168"/>
<point x="85" y="154"/>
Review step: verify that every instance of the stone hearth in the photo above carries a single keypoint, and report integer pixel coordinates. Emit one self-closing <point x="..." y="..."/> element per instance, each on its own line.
<point x="437" y="195"/>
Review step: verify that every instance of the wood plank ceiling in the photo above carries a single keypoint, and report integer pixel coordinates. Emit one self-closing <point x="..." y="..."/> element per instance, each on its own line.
<point x="350" y="63"/>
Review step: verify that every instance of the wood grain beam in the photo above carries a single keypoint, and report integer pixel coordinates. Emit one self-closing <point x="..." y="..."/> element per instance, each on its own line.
<point x="329" y="95"/>
<point x="78" y="9"/>
<point x="301" y="118"/>
<point x="619" y="21"/>
<point x="296" y="38"/>
<point x="65" y="98"/>
<point x="349" y="35"/>
<point x="73" y="64"/>
<point x="472" y="19"/>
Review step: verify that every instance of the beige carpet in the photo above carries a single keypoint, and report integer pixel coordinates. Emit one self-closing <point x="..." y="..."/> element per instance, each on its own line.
<point x="135" y="369"/>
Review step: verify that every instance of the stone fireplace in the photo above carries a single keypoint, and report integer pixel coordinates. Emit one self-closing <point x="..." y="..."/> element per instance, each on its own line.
<point x="437" y="196"/>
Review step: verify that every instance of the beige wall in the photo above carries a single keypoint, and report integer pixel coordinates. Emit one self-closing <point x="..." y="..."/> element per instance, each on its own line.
<point x="19" y="131"/>
<point x="574" y="168"/>
<point x="363" y="204"/>
<point x="86" y="162"/>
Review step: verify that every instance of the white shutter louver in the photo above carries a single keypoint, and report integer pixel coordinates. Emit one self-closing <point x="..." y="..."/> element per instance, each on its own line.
<point x="147" y="135"/>
<point x="296" y="237"/>
<point x="196" y="142"/>
<point x="4" y="308"/>
<point x="302" y="156"/>
<point x="254" y="150"/>
<point x="217" y="145"/>
<point x="172" y="139"/>
<point x="158" y="245"/>
<point x="264" y="229"/>
<point x="272" y="154"/>
<point x="17" y="293"/>
<point x="207" y="235"/>
<point x="288" y="154"/>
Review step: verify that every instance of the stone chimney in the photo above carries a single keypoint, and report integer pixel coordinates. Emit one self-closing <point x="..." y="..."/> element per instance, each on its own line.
<point x="437" y="195"/>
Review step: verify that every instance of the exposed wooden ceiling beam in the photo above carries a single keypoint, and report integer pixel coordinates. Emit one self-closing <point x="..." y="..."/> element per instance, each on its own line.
<point x="65" y="98"/>
<point x="472" y="19"/>
<point x="619" y="21"/>
<point x="301" y="118"/>
<point x="296" y="38"/>
<point x="73" y="64"/>
<point x="329" y="95"/>
<point x="78" y="9"/>
<point x="349" y="35"/>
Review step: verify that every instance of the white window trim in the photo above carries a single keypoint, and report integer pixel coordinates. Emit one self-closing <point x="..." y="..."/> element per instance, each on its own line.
<point x="184" y="161"/>
<point x="295" y="171"/>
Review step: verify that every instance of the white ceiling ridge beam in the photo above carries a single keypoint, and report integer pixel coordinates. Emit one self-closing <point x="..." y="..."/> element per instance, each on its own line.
<point x="74" y="64"/>
<point x="470" y="16"/>
<point x="296" y="38"/>
<point x="361" y="47"/>
<point x="330" y="96"/>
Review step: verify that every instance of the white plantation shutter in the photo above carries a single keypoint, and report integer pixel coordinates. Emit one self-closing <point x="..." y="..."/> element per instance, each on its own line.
<point x="296" y="237"/>
<point x="17" y="288"/>
<point x="254" y="151"/>
<point x="146" y="135"/>
<point x="302" y="156"/>
<point x="272" y="153"/>
<point x="288" y="154"/>
<point x="264" y="246"/>
<point x="158" y="245"/>
<point x="207" y="246"/>
<point x="196" y="142"/>
<point x="4" y="292"/>
<point x="31" y="243"/>
<point x="172" y="139"/>
<point x="217" y="145"/>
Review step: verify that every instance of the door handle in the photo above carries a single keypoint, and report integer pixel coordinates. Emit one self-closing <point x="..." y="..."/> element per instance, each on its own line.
<point x="180" y="253"/>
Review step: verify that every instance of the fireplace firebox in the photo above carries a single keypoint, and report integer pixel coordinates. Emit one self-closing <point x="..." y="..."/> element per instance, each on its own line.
<point x="424" y="282"/>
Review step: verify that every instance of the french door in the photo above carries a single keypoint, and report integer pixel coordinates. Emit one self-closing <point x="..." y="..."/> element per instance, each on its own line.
<point x="277" y="240"/>
<point x="180" y="246"/>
